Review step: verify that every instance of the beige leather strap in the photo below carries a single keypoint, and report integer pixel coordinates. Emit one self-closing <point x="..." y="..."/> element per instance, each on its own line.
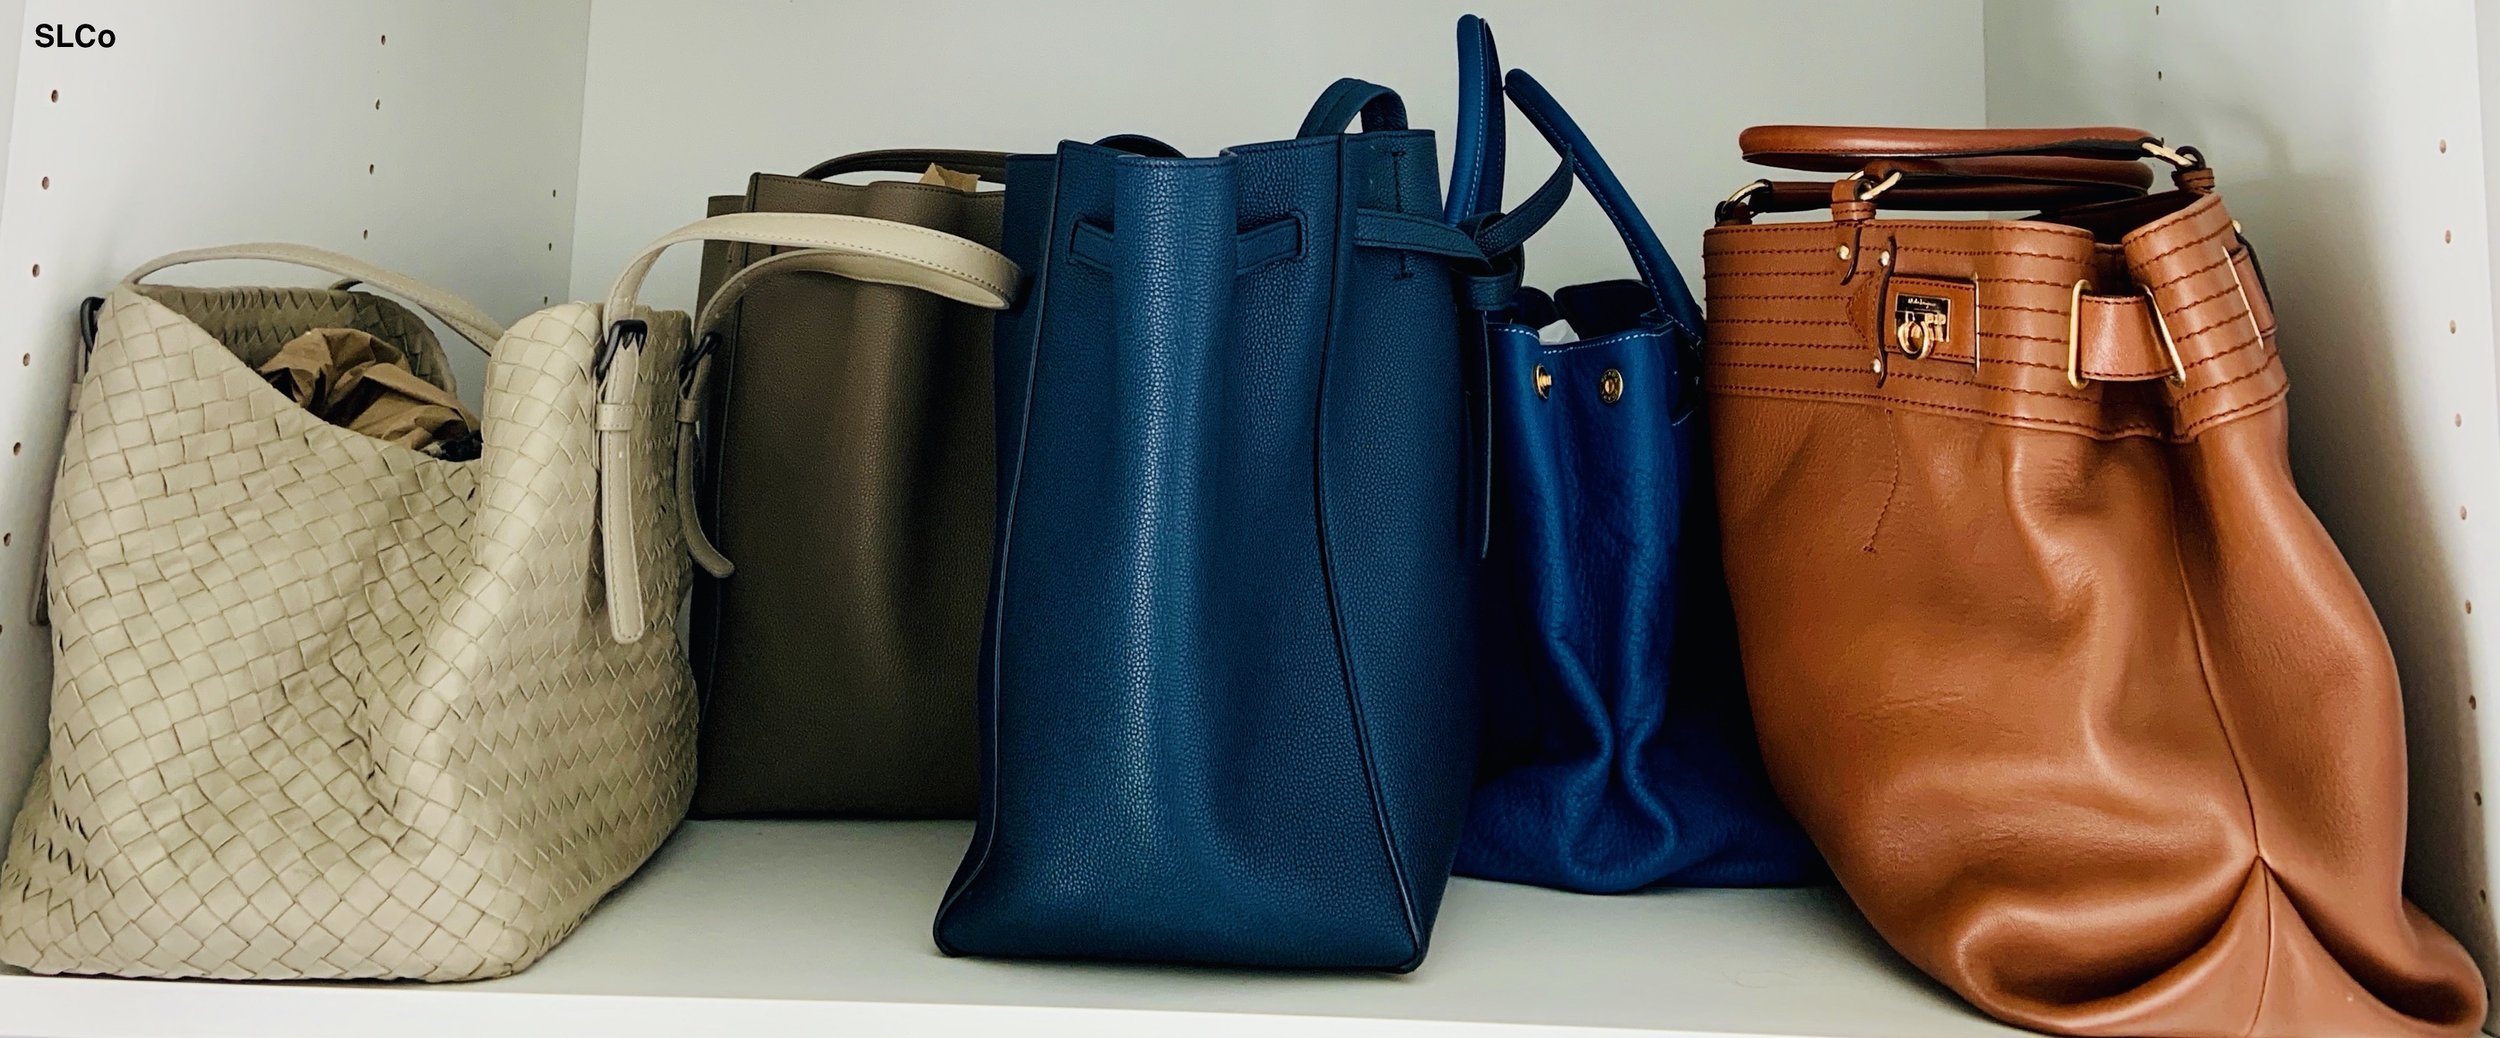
<point x="857" y="247"/>
<point x="459" y="314"/>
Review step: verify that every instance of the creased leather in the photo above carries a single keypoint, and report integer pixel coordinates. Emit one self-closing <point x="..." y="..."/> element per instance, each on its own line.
<point x="852" y="458"/>
<point x="324" y="707"/>
<point x="1229" y="679"/>
<point x="2079" y="700"/>
<point x="1617" y="752"/>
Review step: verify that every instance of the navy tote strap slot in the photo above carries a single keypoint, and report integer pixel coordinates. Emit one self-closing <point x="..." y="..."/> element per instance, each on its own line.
<point x="1380" y="107"/>
<point x="1255" y="249"/>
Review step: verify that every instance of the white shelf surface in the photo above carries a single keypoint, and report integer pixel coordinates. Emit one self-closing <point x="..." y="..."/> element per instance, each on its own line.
<point x="767" y="928"/>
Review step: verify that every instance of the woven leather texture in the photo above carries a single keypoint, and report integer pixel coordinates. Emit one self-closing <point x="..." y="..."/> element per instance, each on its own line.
<point x="324" y="707"/>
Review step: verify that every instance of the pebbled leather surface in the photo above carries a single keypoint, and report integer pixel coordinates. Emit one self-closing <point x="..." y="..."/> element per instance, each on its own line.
<point x="852" y="466"/>
<point x="1618" y="752"/>
<point x="2080" y="701"/>
<point x="1229" y="692"/>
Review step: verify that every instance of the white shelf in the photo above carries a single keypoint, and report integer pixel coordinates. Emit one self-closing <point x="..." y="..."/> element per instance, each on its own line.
<point x="822" y="928"/>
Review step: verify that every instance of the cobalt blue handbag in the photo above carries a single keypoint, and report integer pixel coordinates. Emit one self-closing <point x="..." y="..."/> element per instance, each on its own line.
<point x="1618" y="751"/>
<point x="1228" y="698"/>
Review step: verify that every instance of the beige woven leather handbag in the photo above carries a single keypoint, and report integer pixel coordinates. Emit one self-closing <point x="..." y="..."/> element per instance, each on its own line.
<point x="325" y="707"/>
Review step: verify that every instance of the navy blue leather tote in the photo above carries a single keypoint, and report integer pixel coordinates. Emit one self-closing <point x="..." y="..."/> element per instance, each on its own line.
<point x="1618" y="750"/>
<point x="1229" y="692"/>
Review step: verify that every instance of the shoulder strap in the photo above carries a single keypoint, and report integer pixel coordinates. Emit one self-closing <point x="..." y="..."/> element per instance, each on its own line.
<point x="1844" y="149"/>
<point x="1476" y="159"/>
<point x="1666" y="283"/>
<point x="1380" y="107"/>
<point x="459" y="314"/>
<point x="881" y="251"/>
<point x="988" y="165"/>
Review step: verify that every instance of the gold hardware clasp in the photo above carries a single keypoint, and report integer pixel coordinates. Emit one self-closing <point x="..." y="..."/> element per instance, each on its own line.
<point x="2074" y="334"/>
<point x="2178" y="370"/>
<point x="1610" y="386"/>
<point x="1544" y="381"/>
<point x="1926" y="319"/>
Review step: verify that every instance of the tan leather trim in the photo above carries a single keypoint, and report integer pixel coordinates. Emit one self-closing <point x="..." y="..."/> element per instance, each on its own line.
<point x="881" y="251"/>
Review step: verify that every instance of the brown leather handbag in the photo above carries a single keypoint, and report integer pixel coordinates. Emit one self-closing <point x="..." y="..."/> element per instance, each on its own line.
<point x="850" y="455"/>
<point x="2045" y="650"/>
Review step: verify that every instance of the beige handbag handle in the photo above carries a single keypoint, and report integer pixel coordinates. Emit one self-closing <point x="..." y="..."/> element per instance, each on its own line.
<point x="470" y="322"/>
<point x="860" y="248"/>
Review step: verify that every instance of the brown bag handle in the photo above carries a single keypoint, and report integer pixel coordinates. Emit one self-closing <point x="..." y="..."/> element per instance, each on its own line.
<point x="1950" y="170"/>
<point x="988" y="165"/>
<point x="1847" y="149"/>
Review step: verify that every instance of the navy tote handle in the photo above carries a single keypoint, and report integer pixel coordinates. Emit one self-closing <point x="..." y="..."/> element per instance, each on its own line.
<point x="1658" y="271"/>
<point x="1476" y="158"/>
<point x="1380" y="107"/>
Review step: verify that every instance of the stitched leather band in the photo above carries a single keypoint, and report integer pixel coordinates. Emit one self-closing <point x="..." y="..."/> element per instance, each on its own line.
<point x="988" y="165"/>
<point x="458" y="314"/>
<point x="1784" y="322"/>
<point x="859" y="248"/>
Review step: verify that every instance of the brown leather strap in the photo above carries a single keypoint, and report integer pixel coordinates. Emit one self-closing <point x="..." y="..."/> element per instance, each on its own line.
<point x="988" y="165"/>
<point x="1844" y="149"/>
<point x="1959" y="185"/>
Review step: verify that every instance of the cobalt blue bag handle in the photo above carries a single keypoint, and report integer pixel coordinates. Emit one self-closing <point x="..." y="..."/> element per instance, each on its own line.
<point x="1476" y="159"/>
<point x="1666" y="283"/>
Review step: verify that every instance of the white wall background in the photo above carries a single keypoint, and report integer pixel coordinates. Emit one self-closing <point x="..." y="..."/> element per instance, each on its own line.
<point x="1662" y="88"/>
<point x="2348" y="139"/>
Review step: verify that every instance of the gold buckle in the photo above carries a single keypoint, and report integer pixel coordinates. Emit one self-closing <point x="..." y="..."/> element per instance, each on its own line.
<point x="1748" y="191"/>
<point x="1877" y="188"/>
<point x="2178" y="370"/>
<point x="2166" y="153"/>
<point x="2251" y="308"/>
<point x="2074" y="335"/>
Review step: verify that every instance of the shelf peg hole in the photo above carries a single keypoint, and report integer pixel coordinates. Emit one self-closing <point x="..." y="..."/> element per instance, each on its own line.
<point x="56" y="97"/>
<point x="47" y="183"/>
<point x="2443" y="145"/>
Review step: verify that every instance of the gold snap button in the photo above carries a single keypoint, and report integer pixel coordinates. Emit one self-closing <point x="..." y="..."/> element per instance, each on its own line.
<point x="1610" y="386"/>
<point x="1544" y="382"/>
